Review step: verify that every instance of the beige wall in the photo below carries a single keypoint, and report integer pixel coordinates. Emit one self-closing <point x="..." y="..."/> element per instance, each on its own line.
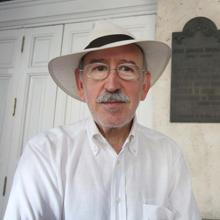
<point x="200" y="142"/>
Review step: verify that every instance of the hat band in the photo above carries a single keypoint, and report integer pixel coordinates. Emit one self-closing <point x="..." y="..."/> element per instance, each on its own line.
<point x="101" y="41"/>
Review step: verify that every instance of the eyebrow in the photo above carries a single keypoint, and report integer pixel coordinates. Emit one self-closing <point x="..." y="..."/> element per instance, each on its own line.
<point x="96" y="61"/>
<point x="128" y="61"/>
<point x="103" y="61"/>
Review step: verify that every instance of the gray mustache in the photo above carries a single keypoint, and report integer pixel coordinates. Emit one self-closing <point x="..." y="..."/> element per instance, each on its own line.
<point x="112" y="96"/>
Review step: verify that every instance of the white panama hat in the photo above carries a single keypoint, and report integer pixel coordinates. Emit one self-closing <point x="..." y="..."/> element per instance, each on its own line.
<point x="107" y="35"/>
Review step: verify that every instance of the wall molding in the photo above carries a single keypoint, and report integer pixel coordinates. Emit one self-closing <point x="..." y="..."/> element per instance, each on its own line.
<point x="27" y="13"/>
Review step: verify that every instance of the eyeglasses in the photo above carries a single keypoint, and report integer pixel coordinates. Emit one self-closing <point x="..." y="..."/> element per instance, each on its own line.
<point x="100" y="71"/>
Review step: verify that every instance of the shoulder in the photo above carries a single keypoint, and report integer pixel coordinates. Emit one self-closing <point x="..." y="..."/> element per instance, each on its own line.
<point x="151" y="134"/>
<point x="60" y="132"/>
<point x="157" y="142"/>
<point x="59" y="139"/>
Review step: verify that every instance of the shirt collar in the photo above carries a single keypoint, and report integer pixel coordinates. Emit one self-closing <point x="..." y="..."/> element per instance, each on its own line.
<point x="132" y="138"/>
<point x="95" y="137"/>
<point x="97" y="141"/>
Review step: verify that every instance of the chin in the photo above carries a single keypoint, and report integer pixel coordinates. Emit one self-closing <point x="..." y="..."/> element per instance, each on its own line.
<point x="113" y="124"/>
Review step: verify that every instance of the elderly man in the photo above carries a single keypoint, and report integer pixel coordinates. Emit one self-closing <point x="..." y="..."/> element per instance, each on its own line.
<point x="108" y="167"/>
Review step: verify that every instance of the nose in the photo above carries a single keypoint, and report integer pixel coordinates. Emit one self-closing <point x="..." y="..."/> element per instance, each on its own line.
<point x="112" y="82"/>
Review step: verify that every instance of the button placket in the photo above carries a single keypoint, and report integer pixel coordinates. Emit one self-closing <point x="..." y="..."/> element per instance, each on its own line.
<point x="118" y="189"/>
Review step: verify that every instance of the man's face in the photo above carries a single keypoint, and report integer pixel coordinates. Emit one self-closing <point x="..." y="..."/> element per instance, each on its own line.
<point x="113" y="114"/>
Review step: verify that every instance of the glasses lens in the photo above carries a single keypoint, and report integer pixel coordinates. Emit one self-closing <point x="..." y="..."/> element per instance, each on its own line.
<point x="97" y="71"/>
<point x="128" y="71"/>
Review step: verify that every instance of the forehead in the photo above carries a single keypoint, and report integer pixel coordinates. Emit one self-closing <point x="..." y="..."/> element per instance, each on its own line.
<point x="126" y="52"/>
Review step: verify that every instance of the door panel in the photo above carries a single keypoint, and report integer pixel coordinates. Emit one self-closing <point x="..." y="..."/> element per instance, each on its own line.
<point x="7" y="48"/>
<point x="30" y="84"/>
<point x="40" y="53"/>
<point x="10" y="42"/>
<point x="4" y="83"/>
<point x="41" y="105"/>
<point x="43" y="44"/>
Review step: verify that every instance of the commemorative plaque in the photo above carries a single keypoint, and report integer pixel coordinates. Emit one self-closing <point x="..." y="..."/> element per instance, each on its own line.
<point x="195" y="76"/>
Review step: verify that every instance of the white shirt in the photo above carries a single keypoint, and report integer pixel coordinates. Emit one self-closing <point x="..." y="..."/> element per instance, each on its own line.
<point x="72" y="173"/>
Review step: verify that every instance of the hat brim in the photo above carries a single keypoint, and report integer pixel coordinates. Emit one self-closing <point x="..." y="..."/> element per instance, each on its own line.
<point x="62" y="69"/>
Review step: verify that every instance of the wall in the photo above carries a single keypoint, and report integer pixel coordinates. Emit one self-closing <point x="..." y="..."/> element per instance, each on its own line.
<point x="200" y="142"/>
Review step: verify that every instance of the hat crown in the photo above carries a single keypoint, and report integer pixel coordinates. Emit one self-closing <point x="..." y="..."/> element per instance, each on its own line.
<point x="104" y="29"/>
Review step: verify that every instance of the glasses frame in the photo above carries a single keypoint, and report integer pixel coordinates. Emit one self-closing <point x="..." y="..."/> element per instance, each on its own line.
<point x="109" y="70"/>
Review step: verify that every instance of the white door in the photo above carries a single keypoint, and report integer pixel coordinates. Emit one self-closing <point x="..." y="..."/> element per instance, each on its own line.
<point x="35" y="94"/>
<point x="70" y="110"/>
<point x="10" y="46"/>
<point x="42" y="44"/>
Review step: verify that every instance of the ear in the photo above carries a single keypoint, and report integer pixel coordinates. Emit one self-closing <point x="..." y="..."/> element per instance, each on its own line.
<point x="146" y="85"/>
<point x="79" y="84"/>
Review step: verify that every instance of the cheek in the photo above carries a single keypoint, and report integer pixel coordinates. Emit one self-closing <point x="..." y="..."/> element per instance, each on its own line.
<point x="90" y="93"/>
<point x="135" y="92"/>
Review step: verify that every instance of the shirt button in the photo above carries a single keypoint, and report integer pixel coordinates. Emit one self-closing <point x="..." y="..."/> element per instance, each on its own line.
<point x="118" y="162"/>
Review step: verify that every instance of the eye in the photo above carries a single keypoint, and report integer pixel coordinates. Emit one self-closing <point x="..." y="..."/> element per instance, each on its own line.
<point x="99" y="67"/>
<point x="127" y="68"/>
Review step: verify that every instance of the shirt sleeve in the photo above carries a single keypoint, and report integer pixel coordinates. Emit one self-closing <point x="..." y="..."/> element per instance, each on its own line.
<point x="34" y="194"/>
<point x="182" y="198"/>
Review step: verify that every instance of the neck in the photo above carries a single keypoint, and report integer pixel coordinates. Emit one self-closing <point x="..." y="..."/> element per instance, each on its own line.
<point x="116" y="136"/>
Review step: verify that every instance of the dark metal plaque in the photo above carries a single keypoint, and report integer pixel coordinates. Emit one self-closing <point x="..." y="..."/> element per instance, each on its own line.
<point x="195" y="76"/>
